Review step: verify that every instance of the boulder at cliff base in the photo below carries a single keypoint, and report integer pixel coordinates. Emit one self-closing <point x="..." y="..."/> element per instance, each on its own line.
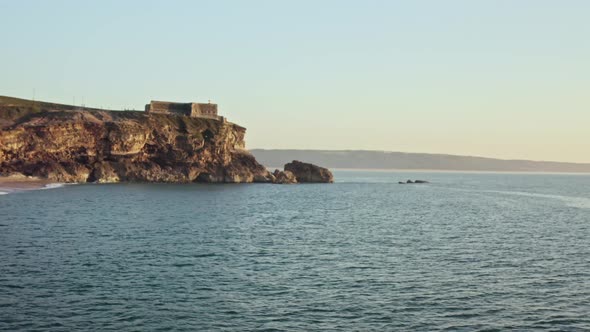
<point x="309" y="173"/>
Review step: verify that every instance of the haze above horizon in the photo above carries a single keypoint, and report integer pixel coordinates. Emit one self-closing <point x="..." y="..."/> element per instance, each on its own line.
<point x="500" y="79"/>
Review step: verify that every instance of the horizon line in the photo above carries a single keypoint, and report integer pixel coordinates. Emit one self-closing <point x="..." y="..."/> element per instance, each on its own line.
<point x="421" y="153"/>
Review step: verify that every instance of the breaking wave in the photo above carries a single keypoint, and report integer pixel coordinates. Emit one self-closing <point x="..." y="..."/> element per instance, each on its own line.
<point x="53" y="186"/>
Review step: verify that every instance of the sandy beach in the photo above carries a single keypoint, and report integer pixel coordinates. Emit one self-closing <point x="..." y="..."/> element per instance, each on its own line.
<point x="13" y="183"/>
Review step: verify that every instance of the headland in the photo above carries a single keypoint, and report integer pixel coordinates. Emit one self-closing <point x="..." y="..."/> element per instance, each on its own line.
<point x="169" y="142"/>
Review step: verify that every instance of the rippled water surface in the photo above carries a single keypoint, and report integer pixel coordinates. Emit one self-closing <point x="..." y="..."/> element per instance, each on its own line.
<point x="466" y="252"/>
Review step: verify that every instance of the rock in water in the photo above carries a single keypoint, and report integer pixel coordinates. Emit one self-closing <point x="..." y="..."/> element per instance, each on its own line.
<point x="284" y="177"/>
<point x="305" y="172"/>
<point x="413" y="182"/>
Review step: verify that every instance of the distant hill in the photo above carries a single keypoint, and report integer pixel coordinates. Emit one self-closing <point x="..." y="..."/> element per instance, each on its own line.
<point x="361" y="159"/>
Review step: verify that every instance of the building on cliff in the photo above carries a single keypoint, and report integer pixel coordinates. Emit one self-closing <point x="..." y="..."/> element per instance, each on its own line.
<point x="195" y="110"/>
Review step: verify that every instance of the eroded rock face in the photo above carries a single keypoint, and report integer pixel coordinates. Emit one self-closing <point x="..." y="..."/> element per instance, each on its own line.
<point x="305" y="172"/>
<point x="284" y="177"/>
<point x="103" y="146"/>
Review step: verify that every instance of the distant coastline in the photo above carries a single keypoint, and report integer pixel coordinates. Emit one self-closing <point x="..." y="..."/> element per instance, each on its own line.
<point x="402" y="161"/>
<point x="398" y="170"/>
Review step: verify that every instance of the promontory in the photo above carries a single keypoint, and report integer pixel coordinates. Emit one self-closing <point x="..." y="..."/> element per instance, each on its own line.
<point x="168" y="142"/>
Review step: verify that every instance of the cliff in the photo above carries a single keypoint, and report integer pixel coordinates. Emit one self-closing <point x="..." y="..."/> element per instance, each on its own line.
<point x="63" y="144"/>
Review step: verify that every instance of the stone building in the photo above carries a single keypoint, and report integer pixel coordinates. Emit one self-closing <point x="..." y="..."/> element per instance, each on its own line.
<point x="195" y="110"/>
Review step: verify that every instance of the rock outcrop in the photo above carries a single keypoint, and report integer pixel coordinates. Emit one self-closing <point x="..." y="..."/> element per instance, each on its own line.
<point x="284" y="177"/>
<point x="305" y="172"/>
<point x="413" y="182"/>
<point x="67" y="145"/>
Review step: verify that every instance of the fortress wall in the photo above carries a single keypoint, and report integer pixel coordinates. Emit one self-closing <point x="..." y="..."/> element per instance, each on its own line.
<point x="168" y="107"/>
<point x="198" y="109"/>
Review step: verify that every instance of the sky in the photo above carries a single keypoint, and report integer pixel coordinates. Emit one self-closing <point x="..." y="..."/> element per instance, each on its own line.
<point x="503" y="78"/>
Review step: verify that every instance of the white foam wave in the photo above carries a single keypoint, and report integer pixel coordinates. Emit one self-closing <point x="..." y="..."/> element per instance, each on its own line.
<point x="6" y="191"/>
<point x="53" y="185"/>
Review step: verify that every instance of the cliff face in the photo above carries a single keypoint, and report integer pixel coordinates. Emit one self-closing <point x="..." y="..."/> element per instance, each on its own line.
<point x="108" y="146"/>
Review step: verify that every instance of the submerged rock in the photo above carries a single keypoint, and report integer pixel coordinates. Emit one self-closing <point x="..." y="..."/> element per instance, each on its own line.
<point x="305" y="172"/>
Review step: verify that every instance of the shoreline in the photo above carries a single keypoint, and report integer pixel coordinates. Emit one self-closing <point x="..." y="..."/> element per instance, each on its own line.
<point x="16" y="183"/>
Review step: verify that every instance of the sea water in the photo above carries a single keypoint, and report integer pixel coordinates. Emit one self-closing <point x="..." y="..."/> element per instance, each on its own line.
<point x="465" y="252"/>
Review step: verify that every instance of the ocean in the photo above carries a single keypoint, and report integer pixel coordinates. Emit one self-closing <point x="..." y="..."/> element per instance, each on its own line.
<point x="467" y="252"/>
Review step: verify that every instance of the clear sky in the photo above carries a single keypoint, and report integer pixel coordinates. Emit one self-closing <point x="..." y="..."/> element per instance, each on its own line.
<point x="502" y="78"/>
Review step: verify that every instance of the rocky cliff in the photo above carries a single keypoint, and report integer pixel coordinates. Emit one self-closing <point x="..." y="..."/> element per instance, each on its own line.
<point x="306" y="172"/>
<point x="66" y="145"/>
